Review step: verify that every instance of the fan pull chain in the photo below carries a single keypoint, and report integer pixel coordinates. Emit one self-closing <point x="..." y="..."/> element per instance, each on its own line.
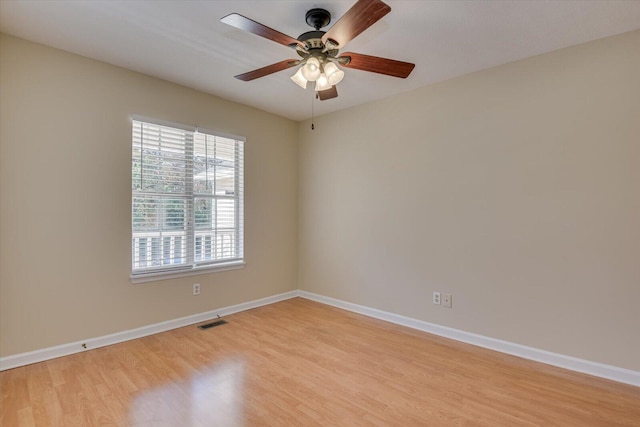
<point x="313" y="126"/>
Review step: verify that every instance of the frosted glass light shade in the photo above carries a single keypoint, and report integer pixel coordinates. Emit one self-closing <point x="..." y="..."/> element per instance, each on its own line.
<point x="311" y="70"/>
<point x="334" y="74"/>
<point x="322" y="83"/>
<point x="299" y="79"/>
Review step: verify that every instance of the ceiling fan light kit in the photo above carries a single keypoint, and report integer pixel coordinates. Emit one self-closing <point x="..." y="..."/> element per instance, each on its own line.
<point x="325" y="74"/>
<point x="311" y="70"/>
<point x="322" y="83"/>
<point x="299" y="79"/>
<point x="319" y="49"/>
<point x="333" y="73"/>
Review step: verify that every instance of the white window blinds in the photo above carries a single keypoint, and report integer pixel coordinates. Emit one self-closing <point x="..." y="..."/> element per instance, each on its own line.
<point x="187" y="198"/>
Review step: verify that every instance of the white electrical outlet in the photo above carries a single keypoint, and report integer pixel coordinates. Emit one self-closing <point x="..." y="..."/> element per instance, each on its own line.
<point x="446" y="300"/>
<point x="436" y="298"/>
<point x="196" y="288"/>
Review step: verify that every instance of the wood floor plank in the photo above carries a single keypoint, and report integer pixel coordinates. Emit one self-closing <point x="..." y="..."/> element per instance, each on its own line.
<point x="301" y="363"/>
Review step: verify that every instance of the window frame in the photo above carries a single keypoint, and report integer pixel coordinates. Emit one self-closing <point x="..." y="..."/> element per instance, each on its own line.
<point x="192" y="266"/>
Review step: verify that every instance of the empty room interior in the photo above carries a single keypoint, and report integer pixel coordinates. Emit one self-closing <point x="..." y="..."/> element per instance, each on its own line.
<point x="420" y="214"/>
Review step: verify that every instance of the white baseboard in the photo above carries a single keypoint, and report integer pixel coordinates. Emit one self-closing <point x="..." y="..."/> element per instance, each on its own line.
<point x="614" y="373"/>
<point x="22" y="359"/>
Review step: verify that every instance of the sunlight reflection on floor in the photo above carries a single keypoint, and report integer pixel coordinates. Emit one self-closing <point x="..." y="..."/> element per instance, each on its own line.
<point x="212" y="397"/>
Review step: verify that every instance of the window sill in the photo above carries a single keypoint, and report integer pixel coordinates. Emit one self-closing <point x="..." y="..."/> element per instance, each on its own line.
<point x="205" y="269"/>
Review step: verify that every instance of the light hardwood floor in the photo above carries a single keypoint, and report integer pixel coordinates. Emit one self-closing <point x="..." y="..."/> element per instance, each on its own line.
<point x="301" y="363"/>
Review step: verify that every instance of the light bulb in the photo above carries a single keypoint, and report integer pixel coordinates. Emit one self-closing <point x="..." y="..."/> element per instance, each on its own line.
<point x="322" y="83"/>
<point x="311" y="70"/>
<point x="299" y="79"/>
<point x="334" y="74"/>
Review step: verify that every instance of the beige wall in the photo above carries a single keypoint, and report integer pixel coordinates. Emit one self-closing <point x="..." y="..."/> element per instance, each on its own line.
<point x="517" y="189"/>
<point x="65" y="176"/>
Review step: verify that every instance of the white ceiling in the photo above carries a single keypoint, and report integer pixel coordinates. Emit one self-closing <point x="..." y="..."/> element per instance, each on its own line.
<point x="185" y="42"/>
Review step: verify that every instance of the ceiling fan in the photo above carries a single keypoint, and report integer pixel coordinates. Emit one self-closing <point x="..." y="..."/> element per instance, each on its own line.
<point x="319" y="49"/>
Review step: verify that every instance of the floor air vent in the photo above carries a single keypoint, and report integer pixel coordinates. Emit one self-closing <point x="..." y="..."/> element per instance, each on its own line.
<point x="212" y="324"/>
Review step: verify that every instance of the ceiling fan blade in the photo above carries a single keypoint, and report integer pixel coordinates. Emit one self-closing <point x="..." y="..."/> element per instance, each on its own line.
<point x="328" y="94"/>
<point x="361" y="16"/>
<point x="245" y="24"/>
<point x="375" y="64"/>
<point x="269" y="69"/>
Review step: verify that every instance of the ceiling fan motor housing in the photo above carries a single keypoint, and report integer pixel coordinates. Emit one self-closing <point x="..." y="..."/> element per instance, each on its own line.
<point x="314" y="45"/>
<point x="313" y="39"/>
<point x="316" y="18"/>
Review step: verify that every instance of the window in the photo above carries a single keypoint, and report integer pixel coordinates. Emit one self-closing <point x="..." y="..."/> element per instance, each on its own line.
<point x="187" y="200"/>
